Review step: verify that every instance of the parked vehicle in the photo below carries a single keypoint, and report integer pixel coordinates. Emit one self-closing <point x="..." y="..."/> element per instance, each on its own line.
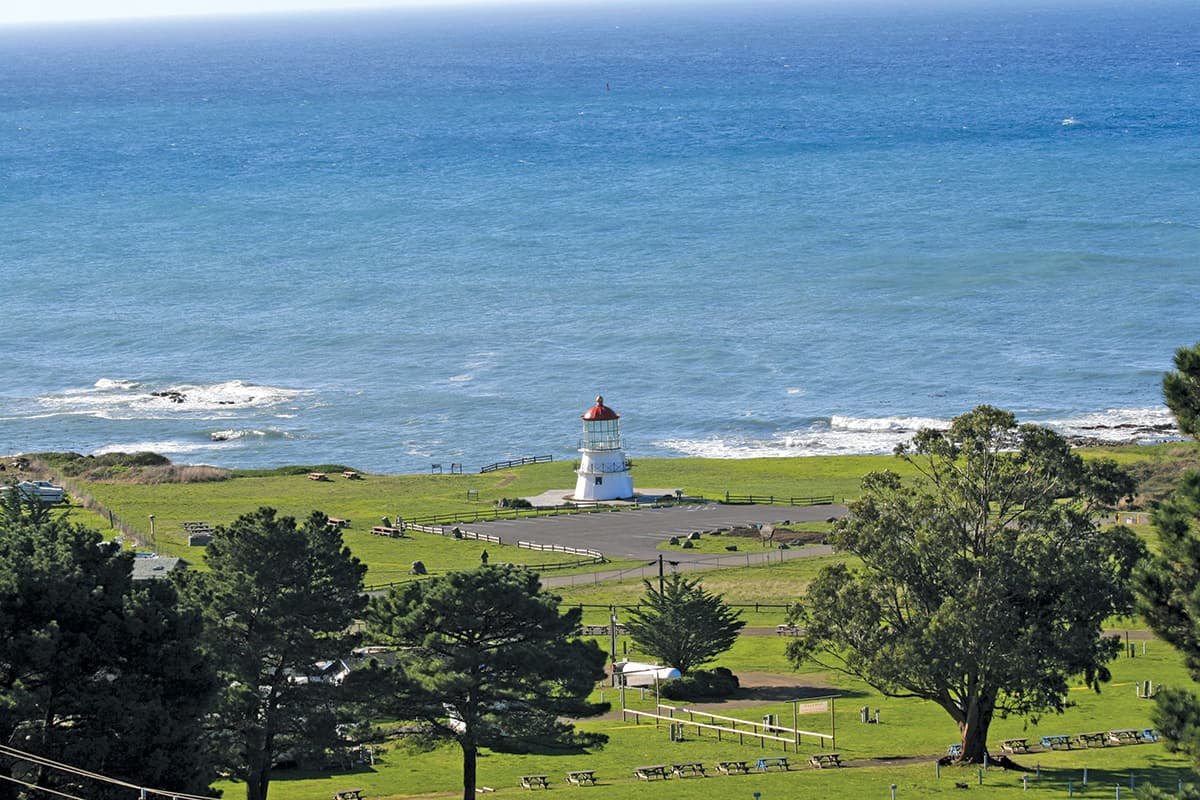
<point x="45" y="491"/>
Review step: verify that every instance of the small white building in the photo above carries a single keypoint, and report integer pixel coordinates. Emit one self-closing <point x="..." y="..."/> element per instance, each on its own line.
<point x="603" y="472"/>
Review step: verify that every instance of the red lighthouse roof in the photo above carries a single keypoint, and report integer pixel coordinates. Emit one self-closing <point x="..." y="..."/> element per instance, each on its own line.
<point x="600" y="411"/>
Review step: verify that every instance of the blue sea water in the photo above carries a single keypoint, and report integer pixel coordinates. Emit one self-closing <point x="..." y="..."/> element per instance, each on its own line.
<point x="390" y="239"/>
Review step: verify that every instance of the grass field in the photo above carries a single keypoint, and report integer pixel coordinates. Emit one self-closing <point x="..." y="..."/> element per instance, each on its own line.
<point x="900" y="750"/>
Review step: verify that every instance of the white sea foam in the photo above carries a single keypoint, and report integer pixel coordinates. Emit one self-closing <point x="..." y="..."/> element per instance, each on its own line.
<point x="903" y="425"/>
<point x="461" y="378"/>
<point x="795" y="390"/>
<point x="109" y="383"/>
<point x="166" y="447"/>
<point x="233" y="434"/>
<point x="125" y="400"/>
<point x="842" y="435"/>
<point x="1120" y="425"/>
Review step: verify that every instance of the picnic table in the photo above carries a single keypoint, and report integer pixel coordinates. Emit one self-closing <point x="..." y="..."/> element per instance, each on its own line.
<point x="351" y="475"/>
<point x="788" y="630"/>
<point x="765" y="763"/>
<point x="822" y="760"/>
<point x="386" y="530"/>
<point x="651" y="773"/>
<point x="692" y="768"/>
<point x="348" y="794"/>
<point x="535" y="781"/>
<point x="1015" y="745"/>
<point x="1125" y="737"/>
<point x="318" y="476"/>
<point x="1056" y="741"/>
<point x="732" y="767"/>
<point x="1099" y="738"/>
<point x="581" y="777"/>
<point x="338" y="522"/>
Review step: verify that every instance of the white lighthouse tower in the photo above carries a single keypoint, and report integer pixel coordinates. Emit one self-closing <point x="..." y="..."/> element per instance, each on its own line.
<point x="603" y="473"/>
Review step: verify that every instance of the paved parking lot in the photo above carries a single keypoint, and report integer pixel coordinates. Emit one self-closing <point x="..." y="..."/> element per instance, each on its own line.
<point x="636" y="533"/>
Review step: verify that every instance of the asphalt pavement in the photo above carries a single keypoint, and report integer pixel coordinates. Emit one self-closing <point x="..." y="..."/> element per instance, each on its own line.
<point x="636" y="533"/>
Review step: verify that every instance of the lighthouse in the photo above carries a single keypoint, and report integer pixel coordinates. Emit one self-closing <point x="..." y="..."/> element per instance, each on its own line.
<point x="603" y="472"/>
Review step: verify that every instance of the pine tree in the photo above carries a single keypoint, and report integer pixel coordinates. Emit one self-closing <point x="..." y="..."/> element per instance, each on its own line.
<point x="486" y="659"/>
<point x="278" y="598"/>
<point x="96" y="670"/>
<point x="683" y="624"/>
<point x="1167" y="582"/>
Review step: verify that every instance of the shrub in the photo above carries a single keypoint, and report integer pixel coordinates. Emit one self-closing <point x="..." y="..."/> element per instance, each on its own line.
<point x="715" y="683"/>
<point x="513" y="502"/>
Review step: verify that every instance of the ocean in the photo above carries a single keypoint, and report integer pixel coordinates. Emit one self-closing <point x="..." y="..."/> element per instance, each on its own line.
<point x="390" y="239"/>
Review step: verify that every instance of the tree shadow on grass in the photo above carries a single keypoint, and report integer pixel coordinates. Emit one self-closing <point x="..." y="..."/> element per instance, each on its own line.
<point x="780" y="694"/>
<point x="283" y="774"/>
<point x="1163" y="776"/>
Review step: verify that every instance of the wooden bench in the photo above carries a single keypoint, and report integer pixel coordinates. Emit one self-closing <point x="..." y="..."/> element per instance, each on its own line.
<point x="765" y="763"/>
<point x="732" y="767"/>
<point x="318" y="476"/>
<point x="822" y="760"/>
<point x="1098" y="738"/>
<point x="348" y="794"/>
<point x="1125" y="737"/>
<point x="535" y="781"/>
<point x="582" y="777"/>
<point x="1056" y="741"/>
<point x="1015" y="745"/>
<point x="351" y="475"/>
<point x="691" y="768"/>
<point x="651" y="773"/>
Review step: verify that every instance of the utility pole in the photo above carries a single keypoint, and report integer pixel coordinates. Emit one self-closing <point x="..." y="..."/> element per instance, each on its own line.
<point x="660" y="573"/>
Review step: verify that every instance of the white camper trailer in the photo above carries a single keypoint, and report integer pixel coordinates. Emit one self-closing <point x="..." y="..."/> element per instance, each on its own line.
<point x="633" y="673"/>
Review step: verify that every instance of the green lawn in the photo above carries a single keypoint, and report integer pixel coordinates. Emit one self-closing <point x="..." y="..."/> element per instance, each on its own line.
<point x="879" y="754"/>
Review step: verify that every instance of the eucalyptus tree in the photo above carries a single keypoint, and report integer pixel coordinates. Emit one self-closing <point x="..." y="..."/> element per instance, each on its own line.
<point x="983" y="584"/>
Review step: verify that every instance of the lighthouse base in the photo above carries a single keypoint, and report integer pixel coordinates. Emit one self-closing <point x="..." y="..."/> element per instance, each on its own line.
<point x="595" y="487"/>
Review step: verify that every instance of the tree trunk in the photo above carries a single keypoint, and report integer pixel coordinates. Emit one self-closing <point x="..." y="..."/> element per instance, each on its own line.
<point x="257" y="779"/>
<point x="470" y="753"/>
<point x="258" y="768"/>
<point x="8" y="791"/>
<point x="974" y="729"/>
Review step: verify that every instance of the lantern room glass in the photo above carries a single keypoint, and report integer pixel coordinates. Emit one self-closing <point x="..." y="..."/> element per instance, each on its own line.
<point x="601" y="434"/>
